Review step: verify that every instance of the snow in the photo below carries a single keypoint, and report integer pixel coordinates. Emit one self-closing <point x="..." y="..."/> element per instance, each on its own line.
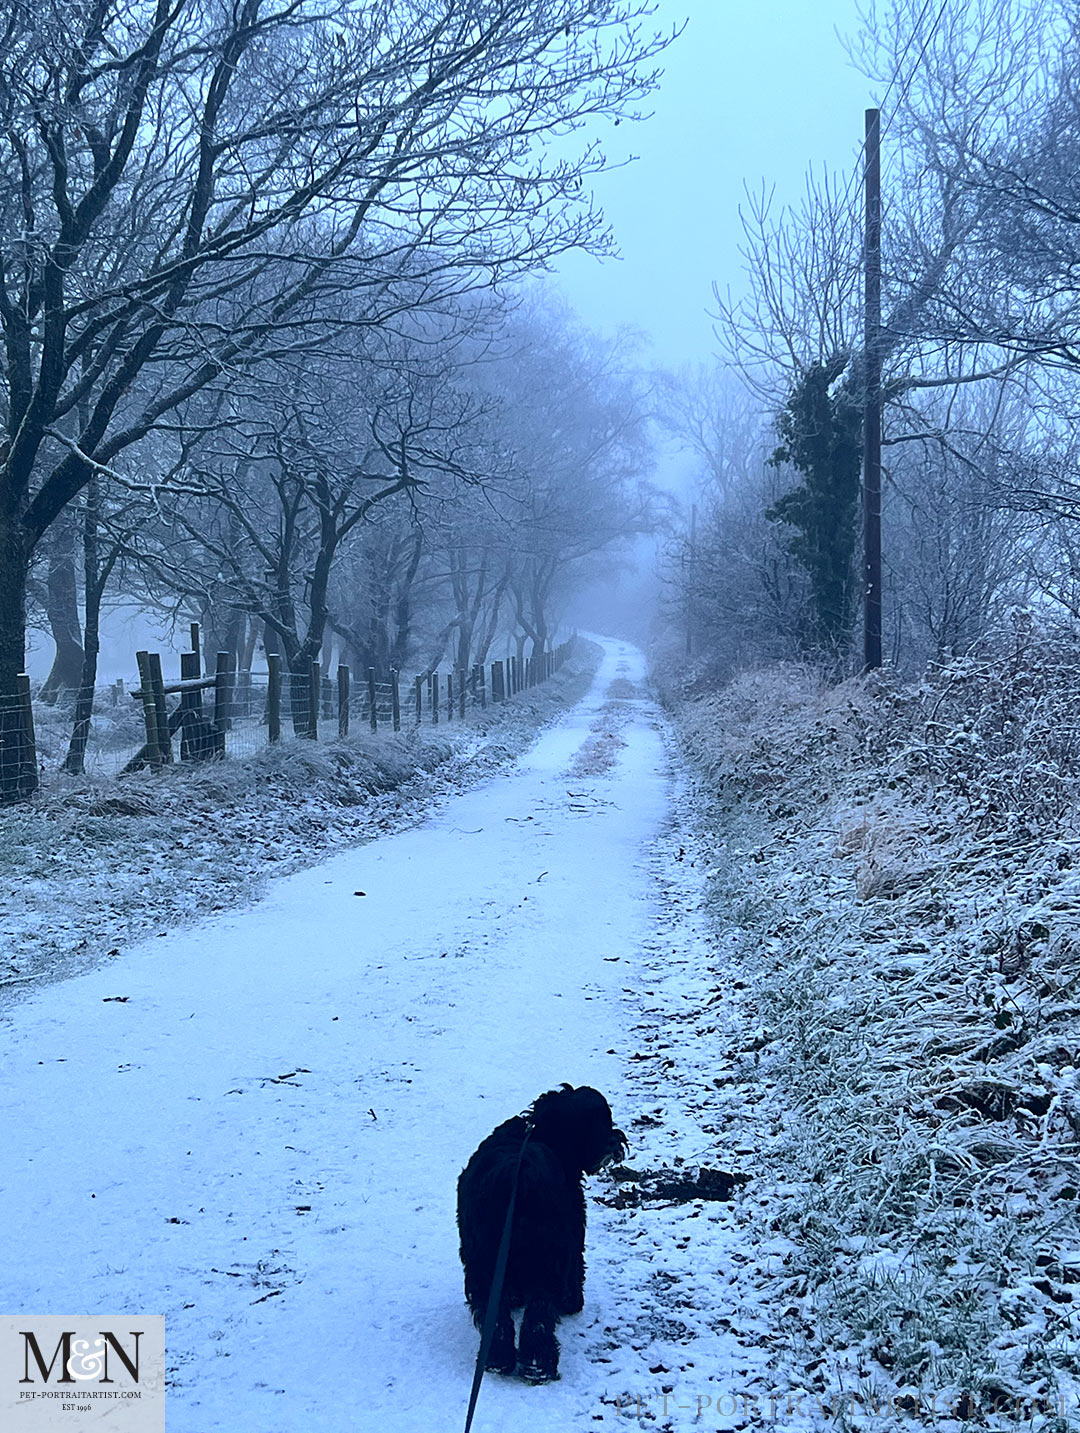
<point x="254" y="1122"/>
<point x="94" y="864"/>
<point x="254" y="1125"/>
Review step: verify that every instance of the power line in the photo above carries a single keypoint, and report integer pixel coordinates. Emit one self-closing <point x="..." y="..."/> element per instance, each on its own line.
<point x="861" y="155"/>
<point x="918" y="62"/>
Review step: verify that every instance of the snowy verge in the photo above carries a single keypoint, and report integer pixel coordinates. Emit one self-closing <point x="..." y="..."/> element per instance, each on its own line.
<point x="893" y="879"/>
<point x="96" y="864"/>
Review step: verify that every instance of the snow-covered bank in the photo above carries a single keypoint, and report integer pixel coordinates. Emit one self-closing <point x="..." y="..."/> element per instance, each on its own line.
<point x="96" y="864"/>
<point x="892" y="878"/>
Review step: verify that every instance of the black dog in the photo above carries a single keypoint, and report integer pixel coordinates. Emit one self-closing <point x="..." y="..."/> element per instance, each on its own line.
<point x="570" y="1135"/>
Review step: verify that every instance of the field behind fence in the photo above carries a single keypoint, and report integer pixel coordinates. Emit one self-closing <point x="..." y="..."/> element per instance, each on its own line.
<point x="209" y="715"/>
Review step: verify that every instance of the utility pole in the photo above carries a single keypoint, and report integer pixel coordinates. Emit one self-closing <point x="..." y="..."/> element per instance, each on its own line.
<point x="691" y="581"/>
<point x="872" y="401"/>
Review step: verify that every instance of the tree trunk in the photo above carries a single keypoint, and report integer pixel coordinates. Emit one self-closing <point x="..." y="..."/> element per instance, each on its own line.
<point x="247" y="652"/>
<point x="464" y="643"/>
<point x="62" y="609"/>
<point x="300" y="696"/>
<point x="84" y="703"/>
<point x="399" y="642"/>
<point x="487" y="635"/>
<point x="271" y="640"/>
<point x="300" y="661"/>
<point x="94" y="588"/>
<point x="235" y="633"/>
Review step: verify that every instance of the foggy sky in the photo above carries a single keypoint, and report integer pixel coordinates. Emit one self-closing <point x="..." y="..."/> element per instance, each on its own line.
<point x="750" y="92"/>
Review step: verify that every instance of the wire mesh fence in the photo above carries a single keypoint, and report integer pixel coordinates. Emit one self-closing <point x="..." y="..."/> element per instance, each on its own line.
<point x="18" y="758"/>
<point x="153" y="721"/>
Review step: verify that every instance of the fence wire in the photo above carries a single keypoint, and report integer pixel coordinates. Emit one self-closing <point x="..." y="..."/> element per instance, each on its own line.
<point x="236" y="714"/>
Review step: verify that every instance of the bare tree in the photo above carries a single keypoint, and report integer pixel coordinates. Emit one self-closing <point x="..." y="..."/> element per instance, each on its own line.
<point x="373" y="595"/>
<point x="578" y="438"/>
<point x="979" y="118"/>
<point x="732" y="588"/>
<point x="274" y="497"/>
<point x="164" y="166"/>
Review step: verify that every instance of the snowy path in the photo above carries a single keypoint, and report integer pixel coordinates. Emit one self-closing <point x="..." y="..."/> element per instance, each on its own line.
<point x="261" y="1138"/>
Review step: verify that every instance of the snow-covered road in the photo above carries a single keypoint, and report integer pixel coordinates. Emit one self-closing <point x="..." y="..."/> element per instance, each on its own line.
<point x="255" y="1125"/>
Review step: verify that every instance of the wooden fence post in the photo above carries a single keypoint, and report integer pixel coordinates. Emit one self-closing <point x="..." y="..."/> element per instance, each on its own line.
<point x="223" y="692"/>
<point x="496" y="668"/>
<point x="478" y="685"/>
<point x="373" y="710"/>
<point x="161" y="711"/>
<point x="419" y="700"/>
<point x="461" y="693"/>
<point x="314" y="681"/>
<point x="395" y="699"/>
<point x="434" y="700"/>
<point x="196" y="648"/>
<point x="273" y="695"/>
<point x="190" y="704"/>
<point x="343" y="678"/>
<point x="153" y="747"/>
<point x="450" y="696"/>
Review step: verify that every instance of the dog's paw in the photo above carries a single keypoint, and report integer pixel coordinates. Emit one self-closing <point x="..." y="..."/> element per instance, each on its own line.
<point x="502" y="1355"/>
<point x="536" y="1371"/>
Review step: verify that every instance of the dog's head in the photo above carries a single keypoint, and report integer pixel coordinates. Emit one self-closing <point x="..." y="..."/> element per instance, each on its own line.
<point x="577" y="1125"/>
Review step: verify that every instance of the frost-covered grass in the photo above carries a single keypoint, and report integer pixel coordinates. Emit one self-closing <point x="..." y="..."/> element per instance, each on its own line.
<point x="97" y="862"/>
<point x="117" y="731"/>
<point x="904" y="869"/>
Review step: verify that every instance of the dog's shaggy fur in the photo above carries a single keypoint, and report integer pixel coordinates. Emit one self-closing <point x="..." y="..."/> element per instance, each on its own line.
<point x="572" y="1135"/>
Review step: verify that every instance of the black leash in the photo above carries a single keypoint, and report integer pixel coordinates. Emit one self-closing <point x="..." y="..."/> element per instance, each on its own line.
<point x="491" y="1314"/>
